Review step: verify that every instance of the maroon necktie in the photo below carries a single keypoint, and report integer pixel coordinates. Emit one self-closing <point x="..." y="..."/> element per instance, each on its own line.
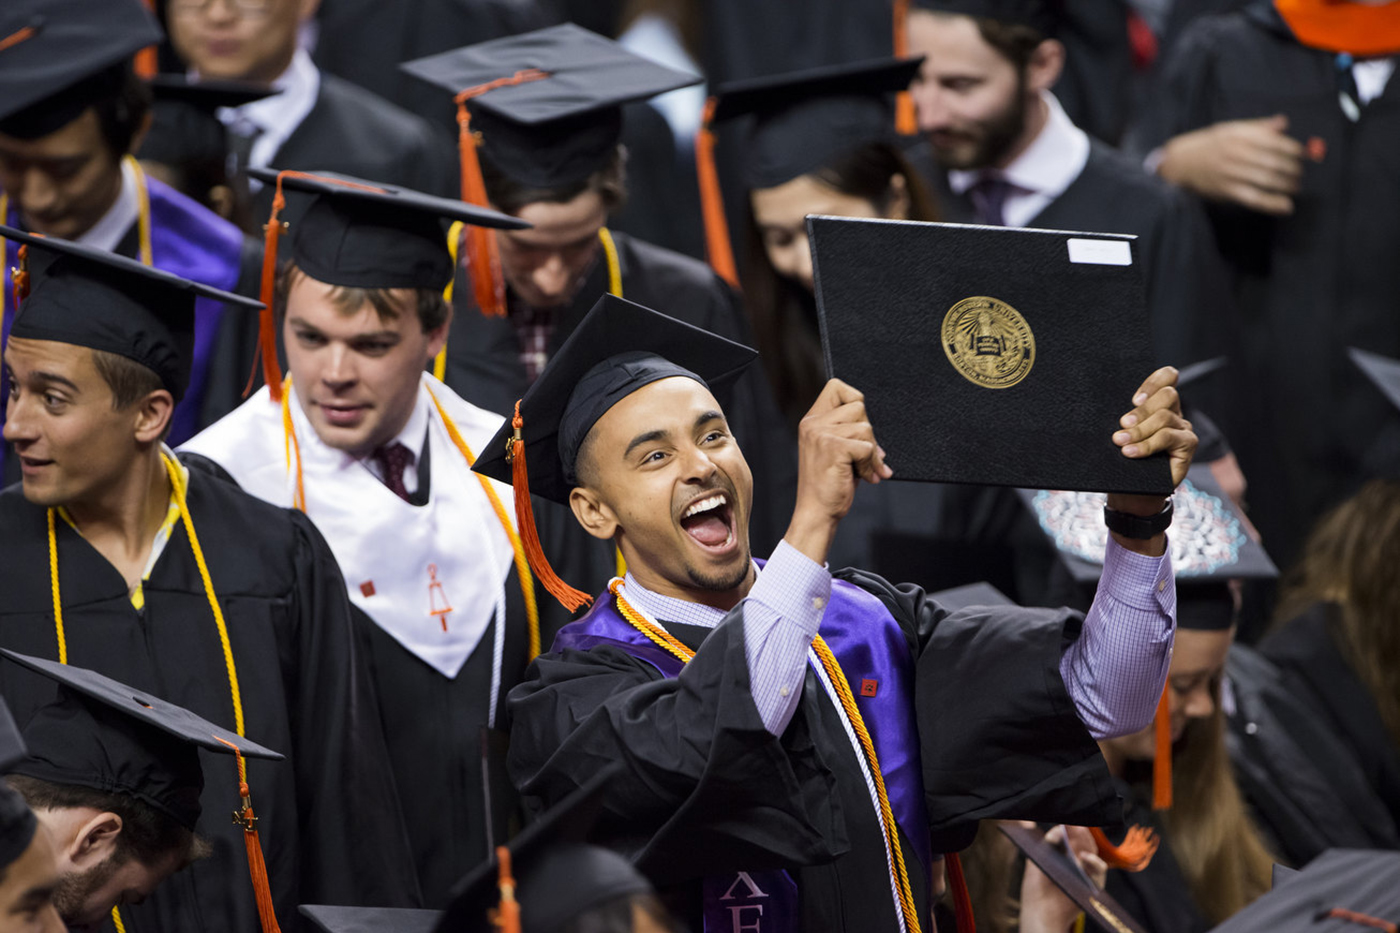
<point x="393" y="460"/>
<point x="988" y="196"/>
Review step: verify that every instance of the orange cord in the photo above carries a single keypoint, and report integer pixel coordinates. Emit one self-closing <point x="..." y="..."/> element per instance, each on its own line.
<point x="569" y="597"/>
<point x="1341" y="913"/>
<point x="1162" y="763"/>
<point x="717" y="243"/>
<point x="15" y="38"/>
<point x="483" y="256"/>
<point x="906" y="121"/>
<point x="1134" y="853"/>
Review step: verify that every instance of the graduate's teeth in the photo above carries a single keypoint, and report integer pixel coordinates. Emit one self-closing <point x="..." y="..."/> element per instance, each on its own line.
<point x="704" y="505"/>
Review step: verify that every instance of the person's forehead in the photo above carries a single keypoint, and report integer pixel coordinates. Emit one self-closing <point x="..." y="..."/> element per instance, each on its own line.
<point x="333" y="309"/>
<point x="558" y="223"/>
<point x="1198" y="649"/>
<point x="665" y="405"/>
<point x="77" y="138"/>
<point x="949" y="41"/>
<point x="64" y="359"/>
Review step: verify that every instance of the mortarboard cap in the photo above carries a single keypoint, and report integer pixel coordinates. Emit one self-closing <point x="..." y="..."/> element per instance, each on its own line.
<point x="809" y="119"/>
<point x="558" y="876"/>
<point x="91" y="298"/>
<point x="111" y="737"/>
<point x="185" y="127"/>
<point x="17" y="821"/>
<point x="989" y="355"/>
<point x="1340" y="891"/>
<point x="370" y="919"/>
<point x="562" y="127"/>
<point x="57" y="57"/>
<point x="364" y="234"/>
<point x="1096" y="903"/>
<point x="1044" y="16"/>
<point x="971" y="594"/>
<point x="618" y="348"/>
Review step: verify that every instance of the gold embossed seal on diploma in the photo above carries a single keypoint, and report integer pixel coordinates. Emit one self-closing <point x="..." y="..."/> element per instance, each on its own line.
<point x="988" y="342"/>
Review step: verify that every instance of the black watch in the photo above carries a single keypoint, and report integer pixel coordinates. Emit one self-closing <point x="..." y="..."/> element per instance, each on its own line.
<point x="1138" y="527"/>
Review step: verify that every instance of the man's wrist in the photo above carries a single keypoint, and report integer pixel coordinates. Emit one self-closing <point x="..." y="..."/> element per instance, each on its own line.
<point x="811" y="534"/>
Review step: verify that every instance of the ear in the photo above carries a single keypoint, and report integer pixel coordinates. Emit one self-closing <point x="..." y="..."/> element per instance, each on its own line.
<point x="593" y="513"/>
<point x="95" y="840"/>
<point x="221" y="199"/>
<point x="437" y="337"/>
<point x="153" y="413"/>
<point x="1045" y="66"/>
<point x="898" y="208"/>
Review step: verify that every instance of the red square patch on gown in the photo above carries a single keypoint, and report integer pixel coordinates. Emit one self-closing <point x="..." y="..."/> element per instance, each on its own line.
<point x="868" y="687"/>
<point x="367" y="589"/>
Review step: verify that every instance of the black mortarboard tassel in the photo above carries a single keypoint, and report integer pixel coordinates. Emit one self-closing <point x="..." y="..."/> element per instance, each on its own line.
<point x="617" y="348"/>
<point x="91" y="298"/>
<point x="59" y="56"/>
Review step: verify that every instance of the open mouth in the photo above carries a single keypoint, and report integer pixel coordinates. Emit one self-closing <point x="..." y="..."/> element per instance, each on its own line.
<point x="32" y="464"/>
<point x="709" y="520"/>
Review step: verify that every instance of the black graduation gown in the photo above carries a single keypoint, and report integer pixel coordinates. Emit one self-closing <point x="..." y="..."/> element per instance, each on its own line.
<point x="1304" y="422"/>
<point x="708" y="790"/>
<point x="483" y="366"/>
<point x="330" y="830"/>
<point x="1158" y="897"/>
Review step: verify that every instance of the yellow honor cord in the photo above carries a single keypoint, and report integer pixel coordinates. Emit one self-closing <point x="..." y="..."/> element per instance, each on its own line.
<point x="143" y="212"/>
<point x="614" y="267"/>
<point x="848" y="703"/>
<point x="454" y="243"/>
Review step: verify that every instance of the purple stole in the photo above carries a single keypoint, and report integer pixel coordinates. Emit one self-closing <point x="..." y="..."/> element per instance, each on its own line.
<point x="874" y="655"/>
<point x="187" y="240"/>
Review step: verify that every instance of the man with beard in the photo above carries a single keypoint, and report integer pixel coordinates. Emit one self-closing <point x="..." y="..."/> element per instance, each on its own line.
<point x="1010" y="156"/>
<point x="759" y="792"/>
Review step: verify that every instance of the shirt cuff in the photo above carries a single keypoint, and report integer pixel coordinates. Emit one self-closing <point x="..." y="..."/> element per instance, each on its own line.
<point x="793" y="587"/>
<point x="1139" y="581"/>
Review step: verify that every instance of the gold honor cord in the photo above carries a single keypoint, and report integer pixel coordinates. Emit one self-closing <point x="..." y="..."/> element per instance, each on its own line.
<point x="843" y="692"/>
<point x="292" y="450"/>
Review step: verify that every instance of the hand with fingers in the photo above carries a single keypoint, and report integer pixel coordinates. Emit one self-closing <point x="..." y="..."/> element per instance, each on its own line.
<point x="1254" y="163"/>
<point x="836" y="449"/>
<point x="1044" y="907"/>
<point x="1155" y="425"/>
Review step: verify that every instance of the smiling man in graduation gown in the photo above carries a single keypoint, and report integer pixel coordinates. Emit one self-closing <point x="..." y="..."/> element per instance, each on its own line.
<point x="118" y="559"/>
<point x="71" y="113"/>
<point x="549" y="153"/>
<point x="382" y="465"/>
<point x="774" y="776"/>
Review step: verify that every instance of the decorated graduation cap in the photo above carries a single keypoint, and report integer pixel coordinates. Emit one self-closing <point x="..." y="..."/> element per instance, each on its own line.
<point x="545" y="109"/>
<point x="1044" y="16"/>
<point x="803" y="120"/>
<point x="1340" y="891"/>
<point x="88" y="297"/>
<point x="17" y="822"/>
<point x="57" y="57"/>
<point x="548" y="875"/>
<point x="111" y="737"/>
<point x="185" y="127"/>
<point x="363" y="234"/>
<point x="618" y="348"/>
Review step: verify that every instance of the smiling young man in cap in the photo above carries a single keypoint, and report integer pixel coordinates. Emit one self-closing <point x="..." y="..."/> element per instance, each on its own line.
<point x="382" y="465"/>
<point x="758" y="786"/>
<point x="117" y="559"/>
<point x="72" y="112"/>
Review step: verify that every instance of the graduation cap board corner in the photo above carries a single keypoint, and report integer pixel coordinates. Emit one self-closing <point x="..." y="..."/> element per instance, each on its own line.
<point x="990" y="355"/>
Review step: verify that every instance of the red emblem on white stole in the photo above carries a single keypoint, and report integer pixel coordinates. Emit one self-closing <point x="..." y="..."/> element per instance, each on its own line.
<point x="437" y="598"/>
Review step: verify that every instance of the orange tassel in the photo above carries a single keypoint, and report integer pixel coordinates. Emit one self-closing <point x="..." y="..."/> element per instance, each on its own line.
<point x="483" y="256"/>
<point x="19" y="277"/>
<point x="1162" y="763"/>
<point x="16" y="37"/>
<point x="906" y="121"/>
<point x="146" y="64"/>
<point x="569" y="597"/>
<point x="962" y="900"/>
<point x="257" y="868"/>
<point x="507" y="915"/>
<point x="717" y="244"/>
<point x="1134" y="853"/>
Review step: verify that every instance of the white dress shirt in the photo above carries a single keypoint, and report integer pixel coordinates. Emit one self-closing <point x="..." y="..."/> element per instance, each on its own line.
<point x="107" y="233"/>
<point x="276" y="118"/>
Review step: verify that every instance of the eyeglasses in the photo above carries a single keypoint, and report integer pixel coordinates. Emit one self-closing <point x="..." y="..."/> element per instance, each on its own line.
<point x="241" y="7"/>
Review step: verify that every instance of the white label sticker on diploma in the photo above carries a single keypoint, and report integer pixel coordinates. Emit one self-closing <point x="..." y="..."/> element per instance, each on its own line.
<point x="1100" y="252"/>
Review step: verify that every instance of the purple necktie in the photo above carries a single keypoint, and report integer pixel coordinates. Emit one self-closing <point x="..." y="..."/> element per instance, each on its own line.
<point x="393" y="460"/>
<point x="988" y="196"/>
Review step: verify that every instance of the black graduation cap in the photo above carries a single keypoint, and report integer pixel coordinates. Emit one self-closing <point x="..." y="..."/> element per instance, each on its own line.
<point x="370" y="919"/>
<point x="989" y="355"/>
<point x="365" y="234"/>
<point x="185" y="126"/>
<point x="1340" y="891"/>
<point x="808" y="119"/>
<point x="558" y="876"/>
<point x="58" y="56"/>
<point x="971" y="594"/>
<point x="106" y="735"/>
<point x="1096" y="903"/>
<point x="89" y="297"/>
<point x="562" y="126"/>
<point x="17" y="822"/>
<point x="1044" y="16"/>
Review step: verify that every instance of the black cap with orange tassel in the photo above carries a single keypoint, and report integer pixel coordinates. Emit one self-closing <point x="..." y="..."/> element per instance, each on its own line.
<point x="618" y="348"/>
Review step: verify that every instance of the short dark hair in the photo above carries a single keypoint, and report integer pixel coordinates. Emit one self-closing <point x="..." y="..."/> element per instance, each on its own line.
<point x="432" y="308"/>
<point x="147" y="835"/>
<point x="508" y="195"/>
<point x="1016" y="42"/>
<point x="129" y="381"/>
<point x="116" y="95"/>
<point x="121" y="112"/>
